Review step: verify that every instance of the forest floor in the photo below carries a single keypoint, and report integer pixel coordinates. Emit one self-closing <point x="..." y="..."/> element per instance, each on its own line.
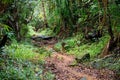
<point x="60" y="65"/>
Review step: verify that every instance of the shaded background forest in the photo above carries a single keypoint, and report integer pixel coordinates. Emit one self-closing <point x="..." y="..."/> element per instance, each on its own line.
<point x="59" y="15"/>
<point x="62" y="18"/>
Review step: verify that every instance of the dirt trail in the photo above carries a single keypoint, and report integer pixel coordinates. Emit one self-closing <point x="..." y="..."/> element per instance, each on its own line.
<point x="59" y="64"/>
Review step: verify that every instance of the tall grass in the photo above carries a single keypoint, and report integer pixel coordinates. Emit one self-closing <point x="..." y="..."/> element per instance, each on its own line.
<point x="26" y="52"/>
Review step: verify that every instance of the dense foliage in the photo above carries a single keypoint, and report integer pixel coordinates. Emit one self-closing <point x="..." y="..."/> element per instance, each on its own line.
<point x="80" y="27"/>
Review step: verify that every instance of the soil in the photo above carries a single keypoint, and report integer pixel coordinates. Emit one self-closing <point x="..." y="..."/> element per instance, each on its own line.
<point x="60" y="65"/>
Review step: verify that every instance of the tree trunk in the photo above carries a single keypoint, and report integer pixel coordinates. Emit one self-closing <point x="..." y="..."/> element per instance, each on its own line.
<point x="114" y="41"/>
<point x="3" y="41"/>
<point x="45" y="19"/>
<point x="110" y="28"/>
<point x="3" y="7"/>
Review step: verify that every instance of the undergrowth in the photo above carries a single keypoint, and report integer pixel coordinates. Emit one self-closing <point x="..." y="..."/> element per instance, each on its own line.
<point x="93" y="49"/>
<point x="46" y="32"/>
<point x="21" y="61"/>
<point x="75" y="46"/>
<point x="26" y="52"/>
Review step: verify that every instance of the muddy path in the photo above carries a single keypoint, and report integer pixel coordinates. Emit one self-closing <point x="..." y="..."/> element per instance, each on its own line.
<point x="59" y="64"/>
